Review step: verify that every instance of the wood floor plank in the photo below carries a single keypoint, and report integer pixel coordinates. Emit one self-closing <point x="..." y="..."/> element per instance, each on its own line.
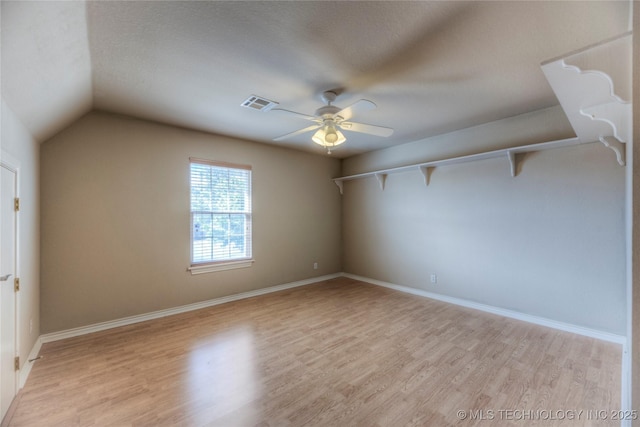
<point x="337" y="353"/>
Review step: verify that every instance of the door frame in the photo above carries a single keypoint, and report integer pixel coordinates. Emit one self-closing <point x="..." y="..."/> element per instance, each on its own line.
<point x="12" y="164"/>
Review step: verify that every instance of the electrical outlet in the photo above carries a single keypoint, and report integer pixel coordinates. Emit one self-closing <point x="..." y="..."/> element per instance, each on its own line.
<point x="434" y="279"/>
<point x="315" y="265"/>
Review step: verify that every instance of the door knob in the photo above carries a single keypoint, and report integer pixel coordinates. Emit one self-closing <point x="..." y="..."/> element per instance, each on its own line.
<point x="5" y="277"/>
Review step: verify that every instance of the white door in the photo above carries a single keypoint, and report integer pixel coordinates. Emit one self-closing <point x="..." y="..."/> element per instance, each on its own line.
<point x="8" y="374"/>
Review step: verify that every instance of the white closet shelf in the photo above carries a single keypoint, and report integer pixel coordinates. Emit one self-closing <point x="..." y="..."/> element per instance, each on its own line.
<point x="593" y="86"/>
<point x="426" y="167"/>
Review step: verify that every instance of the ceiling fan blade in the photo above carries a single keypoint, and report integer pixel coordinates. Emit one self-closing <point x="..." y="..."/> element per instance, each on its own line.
<point x="368" y="129"/>
<point x="355" y="108"/>
<point x="301" y="115"/>
<point x="298" y="132"/>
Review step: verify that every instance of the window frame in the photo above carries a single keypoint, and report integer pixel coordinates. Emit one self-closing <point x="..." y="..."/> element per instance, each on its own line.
<point x="233" y="263"/>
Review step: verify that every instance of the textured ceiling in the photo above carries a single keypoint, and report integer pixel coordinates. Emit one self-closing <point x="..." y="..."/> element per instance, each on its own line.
<point x="46" y="69"/>
<point x="431" y="67"/>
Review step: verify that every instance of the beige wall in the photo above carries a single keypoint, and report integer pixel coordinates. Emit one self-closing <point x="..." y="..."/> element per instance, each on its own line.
<point x="115" y="219"/>
<point x="20" y="145"/>
<point x="549" y="242"/>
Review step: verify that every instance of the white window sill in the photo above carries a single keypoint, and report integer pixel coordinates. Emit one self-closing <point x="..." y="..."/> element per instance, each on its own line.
<point x="221" y="266"/>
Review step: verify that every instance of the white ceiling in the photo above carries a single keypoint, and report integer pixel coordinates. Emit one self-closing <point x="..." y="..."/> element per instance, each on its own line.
<point x="431" y="67"/>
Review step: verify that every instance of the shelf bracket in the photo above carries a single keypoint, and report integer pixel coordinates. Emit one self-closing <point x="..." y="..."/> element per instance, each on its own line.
<point x="615" y="114"/>
<point x="512" y="163"/>
<point x="426" y="172"/>
<point x="381" y="177"/>
<point x="617" y="147"/>
<point x="340" y="185"/>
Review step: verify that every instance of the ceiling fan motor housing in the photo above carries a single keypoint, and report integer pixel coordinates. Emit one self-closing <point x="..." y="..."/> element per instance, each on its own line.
<point x="328" y="111"/>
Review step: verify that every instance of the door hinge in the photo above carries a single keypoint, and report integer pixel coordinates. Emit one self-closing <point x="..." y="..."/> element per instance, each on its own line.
<point x="16" y="284"/>
<point x="16" y="363"/>
<point x="16" y="204"/>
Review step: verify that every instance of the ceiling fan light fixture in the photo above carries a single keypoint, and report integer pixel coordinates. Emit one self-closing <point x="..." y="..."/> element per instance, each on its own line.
<point x="328" y="136"/>
<point x="331" y="134"/>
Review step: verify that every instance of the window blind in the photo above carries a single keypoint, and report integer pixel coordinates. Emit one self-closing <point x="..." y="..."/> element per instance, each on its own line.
<point x="220" y="212"/>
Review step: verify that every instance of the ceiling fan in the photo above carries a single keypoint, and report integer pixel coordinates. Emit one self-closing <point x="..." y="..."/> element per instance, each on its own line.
<point x="329" y="120"/>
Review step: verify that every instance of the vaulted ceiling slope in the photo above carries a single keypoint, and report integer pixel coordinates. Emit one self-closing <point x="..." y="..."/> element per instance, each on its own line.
<point x="46" y="67"/>
<point x="431" y="67"/>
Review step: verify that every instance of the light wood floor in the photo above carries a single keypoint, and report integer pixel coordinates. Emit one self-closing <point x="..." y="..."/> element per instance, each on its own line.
<point x="338" y="353"/>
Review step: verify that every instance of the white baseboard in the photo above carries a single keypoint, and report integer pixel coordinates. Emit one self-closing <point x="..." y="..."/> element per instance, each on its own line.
<point x="25" y="370"/>
<point x="567" y="327"/>
<point x="83" y="330"/>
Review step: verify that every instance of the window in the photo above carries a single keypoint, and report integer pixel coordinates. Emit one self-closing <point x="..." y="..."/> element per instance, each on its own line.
<point x="220" y="216"/>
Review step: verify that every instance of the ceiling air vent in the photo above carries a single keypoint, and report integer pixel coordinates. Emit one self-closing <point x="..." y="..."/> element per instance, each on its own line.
<point x="259" y="103"/>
